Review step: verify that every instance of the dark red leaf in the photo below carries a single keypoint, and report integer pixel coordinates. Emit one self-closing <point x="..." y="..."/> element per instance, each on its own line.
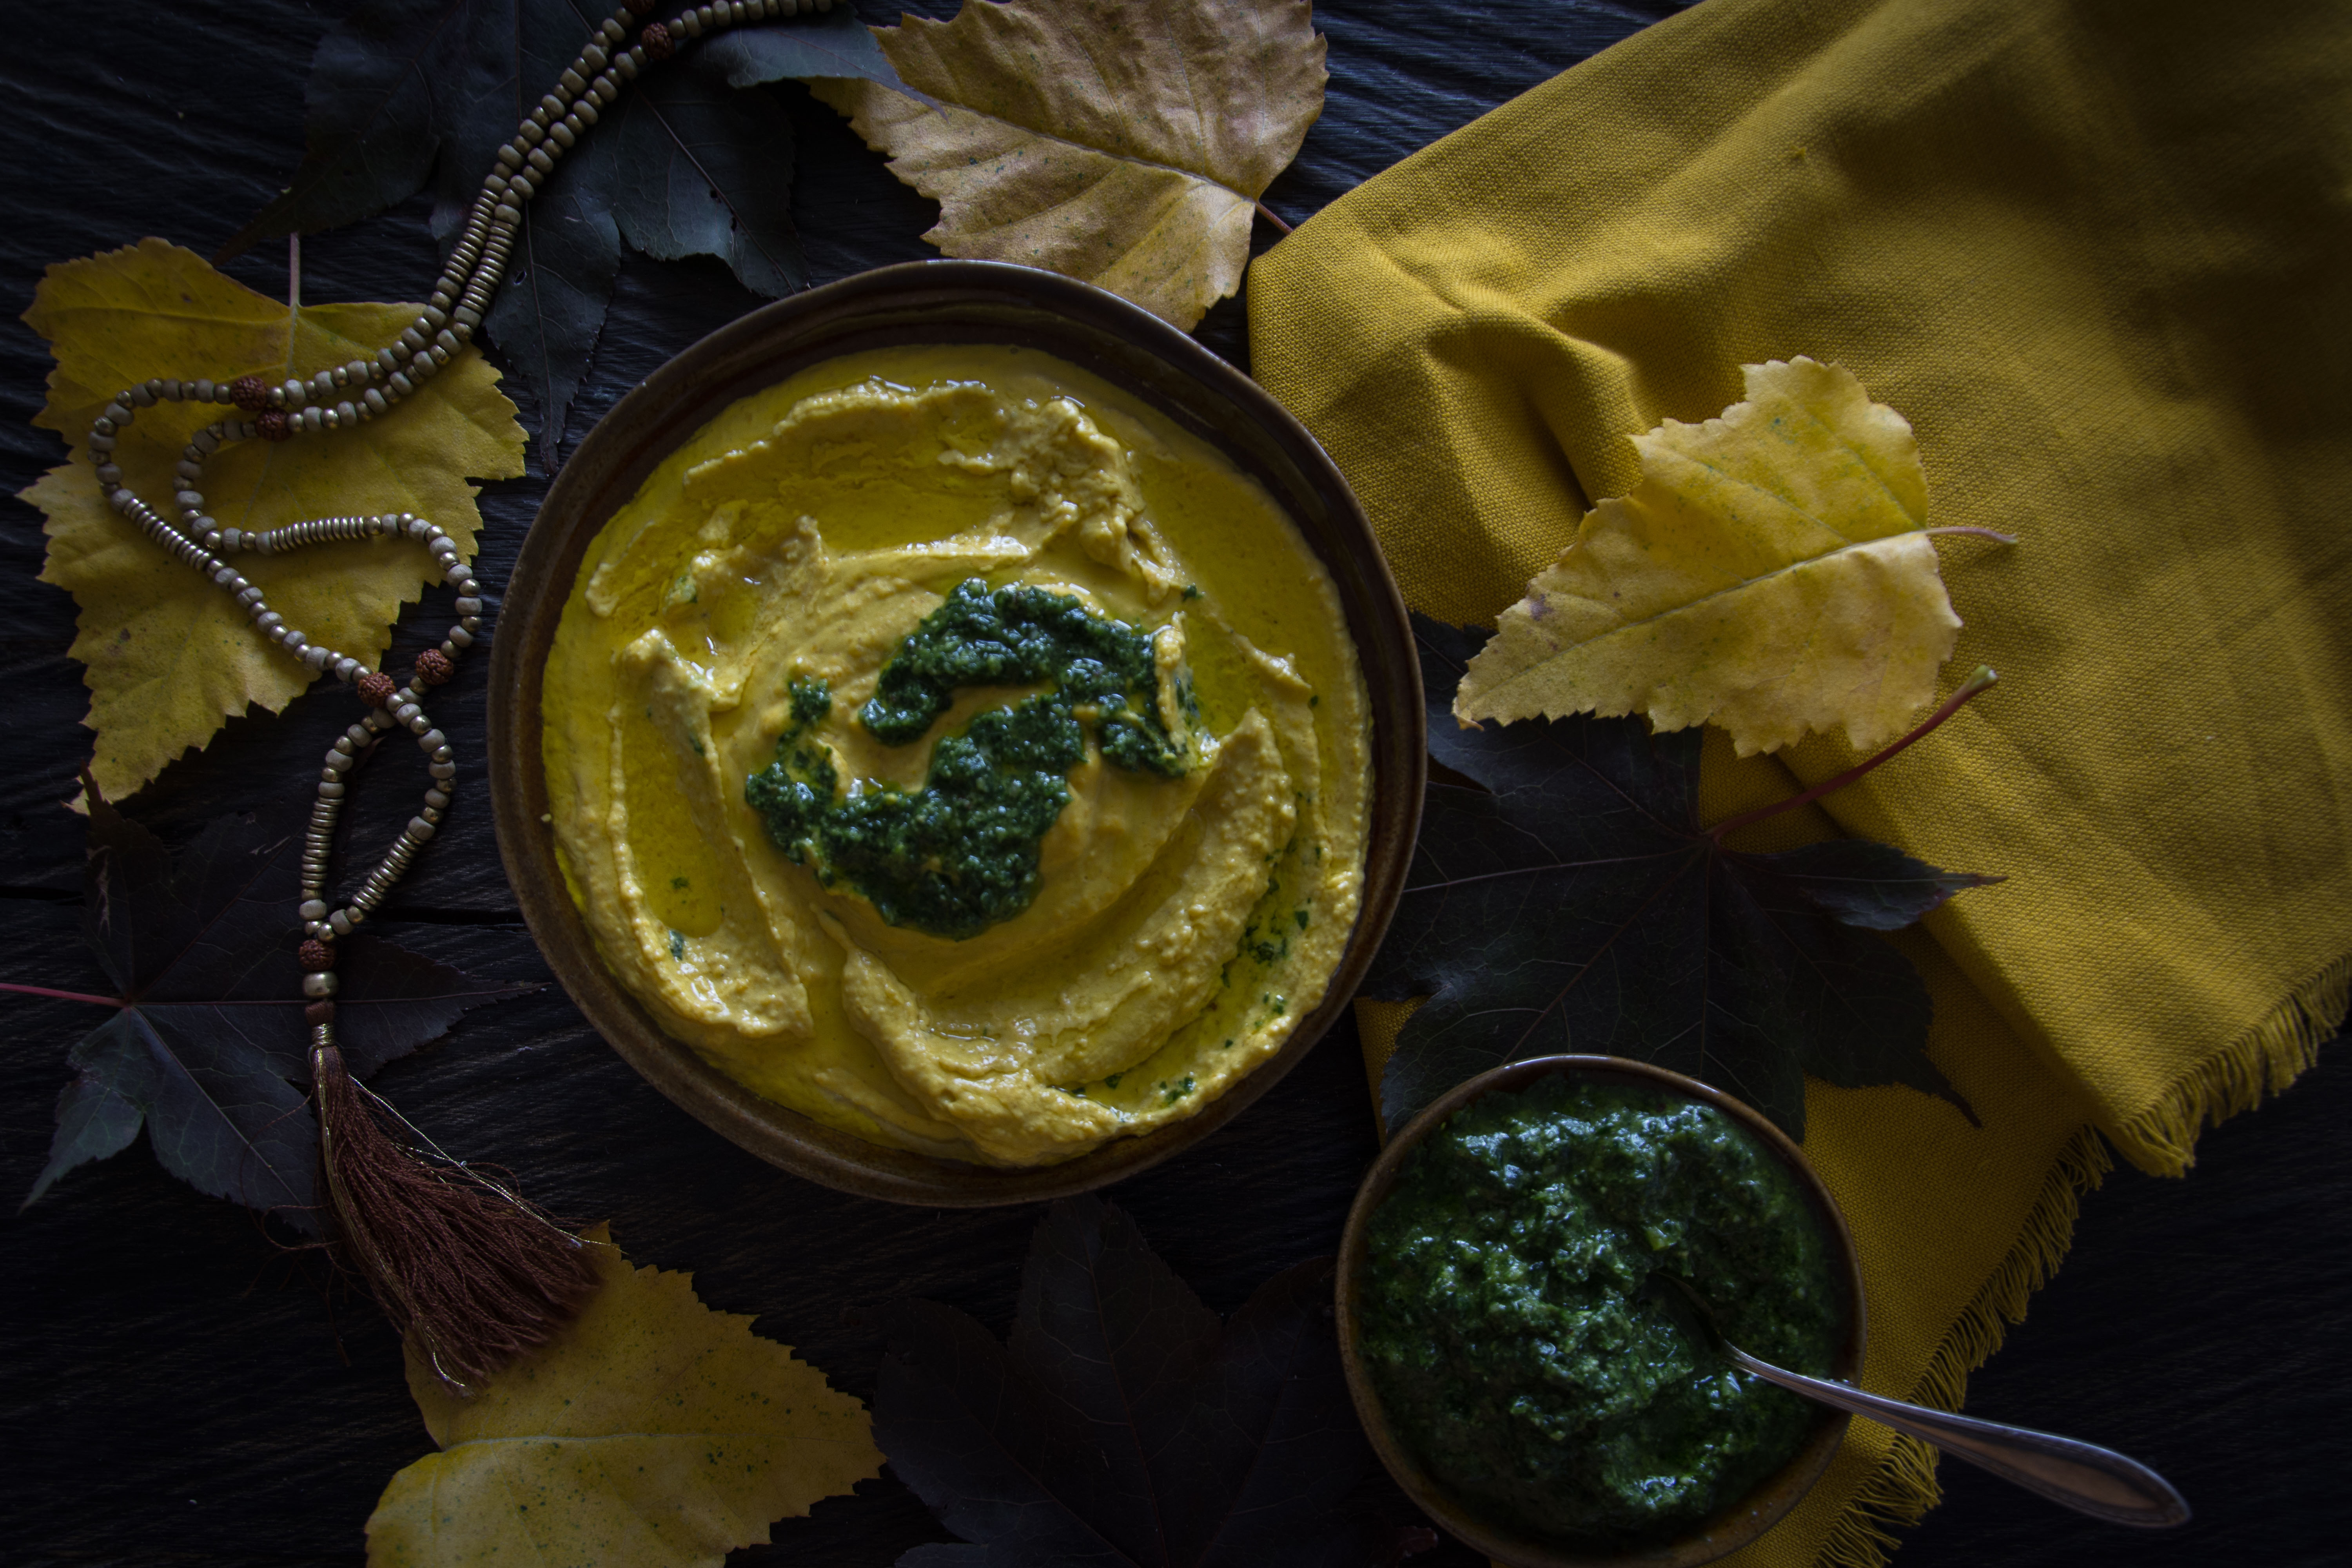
<point x="1123" y="1425"/>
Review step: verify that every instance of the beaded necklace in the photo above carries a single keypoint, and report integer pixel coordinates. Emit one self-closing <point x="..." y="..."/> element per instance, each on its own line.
<point x="460" y="1263"/>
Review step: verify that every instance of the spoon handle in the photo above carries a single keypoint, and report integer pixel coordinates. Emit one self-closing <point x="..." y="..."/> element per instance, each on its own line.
<point x="2097" y="1481"/>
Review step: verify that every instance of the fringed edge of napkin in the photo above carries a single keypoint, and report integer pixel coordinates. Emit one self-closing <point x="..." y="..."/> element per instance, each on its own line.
<point x="1904" y="1488"/>
<point x="2264" y="1060"/>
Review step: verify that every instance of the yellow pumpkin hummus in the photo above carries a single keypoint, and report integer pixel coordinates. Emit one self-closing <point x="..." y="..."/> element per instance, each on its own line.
<point x="948" y="746"/>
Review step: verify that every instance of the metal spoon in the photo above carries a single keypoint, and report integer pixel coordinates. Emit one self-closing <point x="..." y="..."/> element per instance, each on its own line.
<point x="2097" y="1481"/>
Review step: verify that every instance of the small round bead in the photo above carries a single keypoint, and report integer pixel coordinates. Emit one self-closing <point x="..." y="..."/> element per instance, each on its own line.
<point x="201" y="389"/>
<point x="274" y="425"/>
<point x="315" y="956"/>
<point x="432" y="669"/>
<point x="437" y="799"/>
<point x="655" y="41"/>
<point x="294" y="394"/>
<point x="403" y="712"/>
<point x="420" y="828"/>
<point x="323" y="983"/>
<point x="377" y="689"/>
<point x="443" y="770"/>
<point x="318" y="1013"/>
<point x="469" y="606"/>
<point x="249" y="392"/>
<point x="432" y="740"/>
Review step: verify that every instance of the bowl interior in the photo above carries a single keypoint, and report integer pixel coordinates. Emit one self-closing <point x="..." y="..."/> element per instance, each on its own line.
<point x="1749" y="1518"/>
<point x="934" y="302"/>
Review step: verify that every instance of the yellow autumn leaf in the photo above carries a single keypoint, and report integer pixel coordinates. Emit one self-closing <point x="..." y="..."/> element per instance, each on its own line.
<point x="1125" y="143"/>
<point x="167" y="655"/>
<point x="654" y="1433"/>
<point x="1768" y="575"/>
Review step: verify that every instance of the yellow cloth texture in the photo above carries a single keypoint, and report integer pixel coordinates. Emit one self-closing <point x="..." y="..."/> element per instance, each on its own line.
<point x="2098" y="254"/>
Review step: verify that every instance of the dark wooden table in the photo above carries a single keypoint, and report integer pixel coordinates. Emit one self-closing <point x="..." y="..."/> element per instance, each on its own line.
<point x="175" y="1390"/>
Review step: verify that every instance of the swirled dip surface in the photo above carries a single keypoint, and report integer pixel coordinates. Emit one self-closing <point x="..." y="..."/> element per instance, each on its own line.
<point x="1516" y="1350"/>
<point x="948" y="747"/>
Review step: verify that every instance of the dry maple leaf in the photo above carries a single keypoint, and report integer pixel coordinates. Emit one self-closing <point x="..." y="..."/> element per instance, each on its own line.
<point x="167" y="655"/>
<point x="1769" y="575"/>
<point x="1125" y="143"/>
<point x="654" y="1433"/>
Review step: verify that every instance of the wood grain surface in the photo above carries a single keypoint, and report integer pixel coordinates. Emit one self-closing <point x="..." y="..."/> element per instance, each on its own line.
<point x="176" y="1388"/>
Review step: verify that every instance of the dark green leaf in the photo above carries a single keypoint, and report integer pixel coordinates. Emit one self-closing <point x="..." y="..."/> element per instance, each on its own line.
<point x="409" y="93"/>
<point x="1123" y="1424"/>
<point x="207" y="1041"/>
<point x="699" y="169"/>
<point x="551" y="310"/>
<point x="1564" y="899"/>
<point x="834" y="43"/>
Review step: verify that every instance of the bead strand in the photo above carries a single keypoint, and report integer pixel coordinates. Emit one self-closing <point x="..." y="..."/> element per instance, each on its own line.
<point x="366" y="389"/>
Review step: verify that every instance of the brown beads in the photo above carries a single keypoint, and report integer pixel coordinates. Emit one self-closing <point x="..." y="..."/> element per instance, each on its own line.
<point x="273" y="425"/>
<point x="655" y="39"/>
<point x="639" y="7"/>
<point x="433" y="667"/>
<point x="376" y="688"/>
<point x="318" y="1012"/>
<point x="249" y="392"/>
<point x="315" y="956"/>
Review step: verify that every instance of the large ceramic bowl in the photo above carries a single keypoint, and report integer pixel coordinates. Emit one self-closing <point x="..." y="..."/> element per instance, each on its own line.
<point x="934" y="302"/>
<point x="1736" y="1526"/>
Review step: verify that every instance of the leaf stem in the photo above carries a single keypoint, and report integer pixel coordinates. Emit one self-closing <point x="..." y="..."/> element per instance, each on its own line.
<point x="1266" y="213"/>
<point x="1981" y="680"/>
<point x="1970" y="529"/>
<point x="64" y="995"/>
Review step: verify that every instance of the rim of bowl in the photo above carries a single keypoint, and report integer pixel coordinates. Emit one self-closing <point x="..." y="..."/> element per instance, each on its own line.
<point x="1767" y="1502"/>
<point x="924" y="302"/>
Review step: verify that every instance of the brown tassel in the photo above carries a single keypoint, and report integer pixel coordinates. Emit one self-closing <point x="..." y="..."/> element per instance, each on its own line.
<point x="467" y="1270"/>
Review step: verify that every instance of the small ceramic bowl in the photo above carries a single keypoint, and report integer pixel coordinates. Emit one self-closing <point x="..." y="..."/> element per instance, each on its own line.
<point x="1737" y="1525"/>
<point x="935" y="302"/>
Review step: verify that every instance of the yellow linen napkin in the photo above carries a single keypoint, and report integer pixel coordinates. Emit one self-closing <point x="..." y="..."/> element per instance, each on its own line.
<point x="2098" y="253"/>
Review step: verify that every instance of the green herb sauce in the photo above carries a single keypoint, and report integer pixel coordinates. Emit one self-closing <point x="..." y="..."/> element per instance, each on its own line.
<point x="960" y="854"/>
<point x="1505" y="1324"/>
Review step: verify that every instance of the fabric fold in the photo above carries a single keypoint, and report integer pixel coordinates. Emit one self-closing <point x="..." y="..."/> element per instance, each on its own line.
<point x="2098" y="254"/>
